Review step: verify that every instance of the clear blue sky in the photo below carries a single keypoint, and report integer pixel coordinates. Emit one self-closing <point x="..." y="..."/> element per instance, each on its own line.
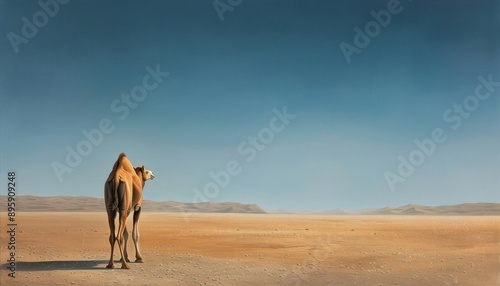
<point x="353" y="120"/>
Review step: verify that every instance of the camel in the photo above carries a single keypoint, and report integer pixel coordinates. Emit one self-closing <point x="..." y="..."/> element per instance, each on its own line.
<point x="122" y="193"/>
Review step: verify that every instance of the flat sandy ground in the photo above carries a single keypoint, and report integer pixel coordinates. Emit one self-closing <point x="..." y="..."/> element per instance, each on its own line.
<point x="256" y="249"/>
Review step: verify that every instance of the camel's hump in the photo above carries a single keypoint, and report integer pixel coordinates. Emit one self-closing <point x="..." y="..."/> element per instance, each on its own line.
<point x="125" y="164"/>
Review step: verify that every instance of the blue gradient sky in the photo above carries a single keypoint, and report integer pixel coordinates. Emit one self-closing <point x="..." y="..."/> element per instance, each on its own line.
<point x="226" y="77"/>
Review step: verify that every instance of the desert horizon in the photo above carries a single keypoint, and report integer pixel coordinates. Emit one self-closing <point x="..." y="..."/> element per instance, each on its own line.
<point x="30" y="203"/>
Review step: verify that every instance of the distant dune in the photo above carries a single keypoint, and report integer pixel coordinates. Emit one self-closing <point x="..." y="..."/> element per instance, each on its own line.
<point x="462" y="209"/>
<point x="91" y="204"/>
<point x="471" y="209"/>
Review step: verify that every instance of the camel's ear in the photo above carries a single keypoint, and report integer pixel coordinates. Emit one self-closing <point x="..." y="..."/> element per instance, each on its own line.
<point x="142" y="168"/>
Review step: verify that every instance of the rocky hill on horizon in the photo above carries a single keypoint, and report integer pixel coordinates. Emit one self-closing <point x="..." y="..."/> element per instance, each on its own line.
<point x="27" y="203"/>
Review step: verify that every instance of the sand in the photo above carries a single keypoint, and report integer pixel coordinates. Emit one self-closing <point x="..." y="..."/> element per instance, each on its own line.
<point x="258" y="249"/>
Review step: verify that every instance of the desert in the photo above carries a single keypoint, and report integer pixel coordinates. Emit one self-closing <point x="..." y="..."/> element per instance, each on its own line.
<point x="256" y="142"/>
<point x="181" y="248"/>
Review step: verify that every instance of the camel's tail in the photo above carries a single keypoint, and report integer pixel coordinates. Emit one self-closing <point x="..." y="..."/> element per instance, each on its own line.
<point x="113" y="186"/>
<point x="111" y="193"/>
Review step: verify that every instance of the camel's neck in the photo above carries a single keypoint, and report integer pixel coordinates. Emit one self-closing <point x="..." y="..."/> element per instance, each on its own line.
<point x="143" y="182"/>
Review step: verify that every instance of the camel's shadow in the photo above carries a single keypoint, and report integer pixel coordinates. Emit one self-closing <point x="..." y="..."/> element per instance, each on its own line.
<point x="59" y="265"/>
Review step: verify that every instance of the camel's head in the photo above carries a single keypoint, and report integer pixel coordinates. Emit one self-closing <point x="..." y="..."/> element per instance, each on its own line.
<point x="144" y="173"/>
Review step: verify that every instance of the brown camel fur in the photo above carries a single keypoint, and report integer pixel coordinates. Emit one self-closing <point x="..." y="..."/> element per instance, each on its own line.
<point x="122" y="193"/>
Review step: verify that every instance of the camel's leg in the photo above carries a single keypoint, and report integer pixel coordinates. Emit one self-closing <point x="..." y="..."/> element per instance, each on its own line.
<point x="125" y="237"/>
<point x="135" y="235"/>
<point x="111" y="221"/>
<point x="122" y="219"/>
